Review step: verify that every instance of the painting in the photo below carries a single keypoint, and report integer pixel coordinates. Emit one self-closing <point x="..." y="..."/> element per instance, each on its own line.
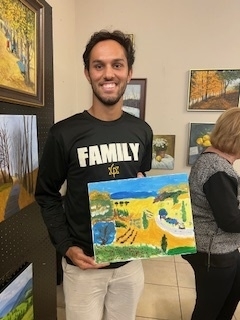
<point x="134" y="98"/>
<point x="213" y="90"/>
<point x="141" y="218"/>
<point x="131" y="36"/>
<point x="21" y="51"/>
<point x="16" y="296"/>
<point x="199" y="140"/>
<point x="163" y="152"/>
<point x="19" y="163"/>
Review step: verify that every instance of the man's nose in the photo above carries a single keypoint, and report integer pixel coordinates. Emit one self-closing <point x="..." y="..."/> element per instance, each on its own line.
<point x="109" y="72"/>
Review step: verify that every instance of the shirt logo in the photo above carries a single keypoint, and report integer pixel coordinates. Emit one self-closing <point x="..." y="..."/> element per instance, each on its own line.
<point x="107" y="153"/>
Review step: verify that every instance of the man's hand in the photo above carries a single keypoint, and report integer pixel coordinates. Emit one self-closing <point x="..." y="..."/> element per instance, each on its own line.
<point x="78" y="257"/>
<point x="140" y="175"/>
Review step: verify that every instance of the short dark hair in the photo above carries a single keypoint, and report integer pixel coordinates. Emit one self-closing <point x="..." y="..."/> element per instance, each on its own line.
<point x="117" y="35"/>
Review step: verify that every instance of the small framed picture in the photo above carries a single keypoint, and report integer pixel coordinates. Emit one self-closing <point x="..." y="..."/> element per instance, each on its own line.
<point x="213" y="89"/>
<point x="199" y="140"/>
<point x="163" y="152"/>
<point x="134" y="98"/>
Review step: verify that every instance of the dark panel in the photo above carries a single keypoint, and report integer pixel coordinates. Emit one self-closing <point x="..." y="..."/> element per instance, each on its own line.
<point x="23" y="237"/>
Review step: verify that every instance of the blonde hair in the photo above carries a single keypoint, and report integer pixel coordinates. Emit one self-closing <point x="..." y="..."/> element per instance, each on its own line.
<point x="225" y="135"/>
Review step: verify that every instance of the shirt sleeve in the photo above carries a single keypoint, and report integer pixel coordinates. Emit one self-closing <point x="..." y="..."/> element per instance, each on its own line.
<point x="221" y="191"/>
<point x="147" y="160"/>
<point x="51" y="175"/>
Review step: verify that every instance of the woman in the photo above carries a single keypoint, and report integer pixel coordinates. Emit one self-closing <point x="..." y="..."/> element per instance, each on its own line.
<point x="214" y="188"/>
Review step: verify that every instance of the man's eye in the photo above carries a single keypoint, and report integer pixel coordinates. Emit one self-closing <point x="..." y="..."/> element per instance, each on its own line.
<point x="117" y="65"/>
<point x="98" y="66"/>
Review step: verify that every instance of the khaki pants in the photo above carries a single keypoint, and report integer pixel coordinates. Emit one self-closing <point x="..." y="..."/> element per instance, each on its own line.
<point x="102" y="294"/>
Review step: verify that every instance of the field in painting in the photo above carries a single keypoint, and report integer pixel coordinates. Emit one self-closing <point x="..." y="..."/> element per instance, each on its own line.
<point x="141" y="218"/>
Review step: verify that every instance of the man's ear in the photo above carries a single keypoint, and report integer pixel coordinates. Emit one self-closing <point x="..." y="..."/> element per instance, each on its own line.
<point x="86" y="72"/>
<point x="129" y="75"/>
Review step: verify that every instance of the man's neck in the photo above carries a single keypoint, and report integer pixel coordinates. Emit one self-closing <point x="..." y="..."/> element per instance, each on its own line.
<point x="106" y="113"/>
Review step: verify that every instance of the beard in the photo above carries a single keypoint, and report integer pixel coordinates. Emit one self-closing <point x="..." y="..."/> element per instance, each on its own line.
<point x="112" y="100"/>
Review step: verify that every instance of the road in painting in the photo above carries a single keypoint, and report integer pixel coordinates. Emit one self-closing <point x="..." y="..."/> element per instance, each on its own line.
<point x="19" y="162"/>
<point x="16" y="299"/>
<point x="141" y="218"/>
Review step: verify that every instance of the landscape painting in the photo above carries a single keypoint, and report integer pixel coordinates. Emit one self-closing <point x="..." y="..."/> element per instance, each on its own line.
<point x="213" y="90"/>
<point x="21" y="52"/>
<point x="140" y="218"/>
<point x="16" y="297"/>
<point x="19" y="162"/>
<point x="134" y="98"/>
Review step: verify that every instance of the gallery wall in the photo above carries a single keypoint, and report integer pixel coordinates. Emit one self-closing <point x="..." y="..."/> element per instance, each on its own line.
<point x="171" y="38"/>
<point x="23" y="235"/>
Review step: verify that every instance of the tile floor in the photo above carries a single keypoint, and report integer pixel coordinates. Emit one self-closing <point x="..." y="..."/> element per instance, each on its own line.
<point x="168" y="294"/>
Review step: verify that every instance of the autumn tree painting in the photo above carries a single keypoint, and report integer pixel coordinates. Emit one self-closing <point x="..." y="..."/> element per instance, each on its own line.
<point x="213" y="89"/>
<point x="17" y="46"/>
<point x="18" y="162"/>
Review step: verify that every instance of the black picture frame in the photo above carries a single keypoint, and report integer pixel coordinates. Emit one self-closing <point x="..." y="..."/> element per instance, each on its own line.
<point x="134" y="98"/>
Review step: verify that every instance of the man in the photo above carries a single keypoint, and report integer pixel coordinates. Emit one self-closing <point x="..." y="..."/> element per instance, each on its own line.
<point x="101" y="143"/>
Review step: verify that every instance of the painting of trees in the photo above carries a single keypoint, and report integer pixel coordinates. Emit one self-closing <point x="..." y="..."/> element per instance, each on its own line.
<point x="213" y="89"/>
<point x="18" y="162"/>
<point x="21" y="51"/>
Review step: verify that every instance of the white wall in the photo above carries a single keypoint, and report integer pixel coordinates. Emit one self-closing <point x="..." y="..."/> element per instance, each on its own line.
<point x="64" y="58"/>
<point x="171" y="38"/>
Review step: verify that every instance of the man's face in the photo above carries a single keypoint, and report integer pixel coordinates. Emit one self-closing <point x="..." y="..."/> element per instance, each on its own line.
<point x="108" y="72"/>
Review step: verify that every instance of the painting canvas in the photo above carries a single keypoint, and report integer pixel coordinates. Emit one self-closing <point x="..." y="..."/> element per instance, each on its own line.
<point x="134" y="98"/>
<point x="163" y="151"/>
<point x="199" y="140"/>
<point x="21" y="51"/>
<point x="140" y="218"/>
<point x="16" y="296"/>
<point x="213" y="90"/>
<point x="19" y="162"/>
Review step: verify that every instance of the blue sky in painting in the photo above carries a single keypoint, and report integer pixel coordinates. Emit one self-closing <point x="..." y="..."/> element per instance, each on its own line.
<point x="148" y="184"/>
<point x="16" y="286"/>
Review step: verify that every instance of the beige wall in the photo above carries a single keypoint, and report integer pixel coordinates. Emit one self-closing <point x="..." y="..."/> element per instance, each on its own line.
<point x="171" y="37"/>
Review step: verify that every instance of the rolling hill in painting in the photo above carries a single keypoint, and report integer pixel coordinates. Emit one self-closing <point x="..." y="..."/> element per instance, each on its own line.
<point x="16" y="299"/>
<point x="141" y="218"/>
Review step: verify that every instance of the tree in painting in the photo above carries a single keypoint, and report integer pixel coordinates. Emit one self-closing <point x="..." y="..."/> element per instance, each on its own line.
<point x="17" y="26"/>
<point x="18" y="163"/>
<point x="214" y="89"/>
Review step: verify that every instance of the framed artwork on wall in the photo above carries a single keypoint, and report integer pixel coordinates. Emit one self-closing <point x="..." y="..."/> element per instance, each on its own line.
<point x="131" y="36"/>
<point x="22" y="55"/>
<point x="16" y="295"/>
<point x="199" y="139"/>
<point x="163" y="151"/>
<point x="213" y="89"/>
<point x="134" y="98"/>
<point x="19" y="163"/>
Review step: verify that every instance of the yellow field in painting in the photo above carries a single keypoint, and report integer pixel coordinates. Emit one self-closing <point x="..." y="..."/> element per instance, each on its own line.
<point x="134" y="232"/>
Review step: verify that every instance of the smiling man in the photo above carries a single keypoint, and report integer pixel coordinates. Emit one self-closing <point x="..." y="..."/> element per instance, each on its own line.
<point x="101" y="143"/>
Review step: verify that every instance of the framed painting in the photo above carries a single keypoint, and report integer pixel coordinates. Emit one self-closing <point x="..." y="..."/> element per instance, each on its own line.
<point x="16" y="295"/>
<point x="199" y="139"/>
<point x="131" y="36"/>
<point x="163" y="151"/>
<point x="19" y="163"/>
<point x="134" y="98"/>
<point x="140" y="218"/>
<point x="213" y="90"/>
<point x="22" y="52"/>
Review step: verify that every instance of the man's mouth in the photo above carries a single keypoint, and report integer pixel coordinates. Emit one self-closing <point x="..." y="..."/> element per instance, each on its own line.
<point x="109" y="86"/>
